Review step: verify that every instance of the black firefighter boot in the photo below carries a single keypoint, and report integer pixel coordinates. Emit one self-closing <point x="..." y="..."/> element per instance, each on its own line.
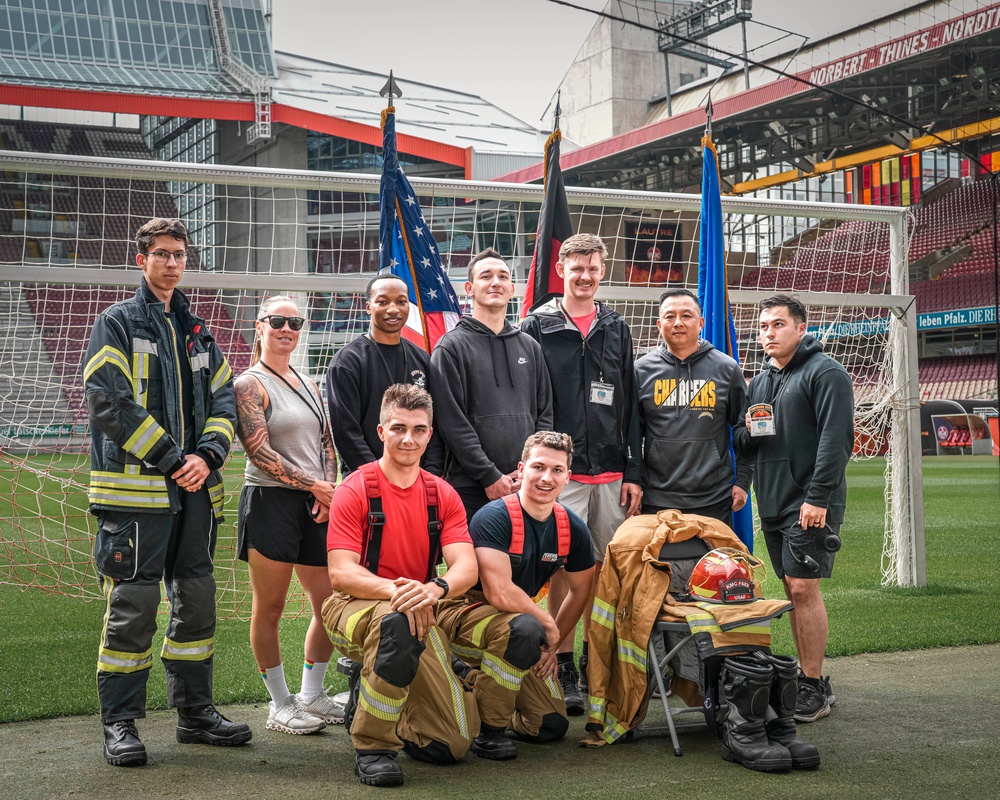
<point x="780" y="722"/>
<point x="746" y="687"/>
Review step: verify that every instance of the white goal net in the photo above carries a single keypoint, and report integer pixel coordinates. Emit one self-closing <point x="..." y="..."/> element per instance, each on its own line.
<point x="66" y="253"/>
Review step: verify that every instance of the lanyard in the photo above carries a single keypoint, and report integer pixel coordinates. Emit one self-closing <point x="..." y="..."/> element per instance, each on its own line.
<point x="385" y="363"/>
<point x="310" y="404"/>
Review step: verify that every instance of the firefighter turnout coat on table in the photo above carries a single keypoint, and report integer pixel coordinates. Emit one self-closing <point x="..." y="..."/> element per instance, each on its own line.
<point x="154" y="382"/>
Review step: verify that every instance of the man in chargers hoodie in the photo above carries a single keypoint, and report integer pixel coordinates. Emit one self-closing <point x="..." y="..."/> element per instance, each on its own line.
<point x="690" y="397"/>
<point x="799" y="478"/>
<point x="491" y="389"/>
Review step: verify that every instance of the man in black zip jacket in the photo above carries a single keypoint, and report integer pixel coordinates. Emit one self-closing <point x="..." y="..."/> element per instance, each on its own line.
<point x="690" y="397"/>
<point x="800" y="426"/>
<point x="362" y="370"/>
<point x="589" y="354"/>
<point x="491" y="389"/>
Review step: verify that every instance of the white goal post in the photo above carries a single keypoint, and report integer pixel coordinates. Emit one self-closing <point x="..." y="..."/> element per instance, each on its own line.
<point x="66" y="224"/>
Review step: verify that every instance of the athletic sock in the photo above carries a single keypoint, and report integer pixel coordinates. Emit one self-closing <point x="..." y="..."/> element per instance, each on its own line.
<point x="274" y="680"/>
<point x="565" y="658"/>
<point x="313" y="675"/>
<point x="583" y="653"/>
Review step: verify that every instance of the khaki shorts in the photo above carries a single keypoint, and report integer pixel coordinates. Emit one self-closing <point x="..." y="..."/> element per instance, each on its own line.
<point x="598" y="505"/>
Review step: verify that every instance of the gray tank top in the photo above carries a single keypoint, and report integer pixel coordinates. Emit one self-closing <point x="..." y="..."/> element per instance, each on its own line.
<point x="294" y="431"/>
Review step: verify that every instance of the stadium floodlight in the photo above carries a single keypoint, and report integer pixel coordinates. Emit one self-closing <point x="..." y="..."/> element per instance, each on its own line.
<point x="679" y="33"/>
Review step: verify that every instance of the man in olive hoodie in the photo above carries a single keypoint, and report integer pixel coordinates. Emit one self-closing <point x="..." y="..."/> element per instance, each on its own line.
<point x="799" y="480"/>
<point x="690" y="397"/>
<point x="491" y="389"/>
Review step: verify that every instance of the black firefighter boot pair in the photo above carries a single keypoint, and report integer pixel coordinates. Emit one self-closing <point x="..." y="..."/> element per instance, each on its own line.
<point x="758" y="732"/>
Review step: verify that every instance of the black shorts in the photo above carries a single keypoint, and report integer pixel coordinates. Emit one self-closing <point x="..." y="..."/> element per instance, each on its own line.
<point x="276" y="522"/>
<point x="800" y="553"/>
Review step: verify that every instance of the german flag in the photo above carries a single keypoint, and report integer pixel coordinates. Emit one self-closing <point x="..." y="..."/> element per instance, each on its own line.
<point x="554" y="227"/>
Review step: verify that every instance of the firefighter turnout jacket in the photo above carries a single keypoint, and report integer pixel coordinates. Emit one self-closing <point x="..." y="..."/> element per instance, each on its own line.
<point x="132" y="376"/>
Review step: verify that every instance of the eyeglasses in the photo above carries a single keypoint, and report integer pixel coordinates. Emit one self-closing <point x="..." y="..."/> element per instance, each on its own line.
<point x="277" y="322"/>
<point x="163" y="255"/>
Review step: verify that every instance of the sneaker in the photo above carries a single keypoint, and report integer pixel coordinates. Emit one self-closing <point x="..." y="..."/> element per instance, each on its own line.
<point x="812" y="703"/>
<point x="831" y="698"/>
<point x="378" y="768"/>
<point x="329" y="709"/>
<point x="493" y="744"/>
<point x="292" y="718"/>
<point x="568" y="677"/>
<point x="205" y="725"/>
<point x="122" y="747"/>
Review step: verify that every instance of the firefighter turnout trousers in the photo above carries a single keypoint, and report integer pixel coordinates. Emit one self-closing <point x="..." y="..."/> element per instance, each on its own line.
<point x="503" y="647"/>
<point x="133" y="553"/>
<point x="409" y="698"/>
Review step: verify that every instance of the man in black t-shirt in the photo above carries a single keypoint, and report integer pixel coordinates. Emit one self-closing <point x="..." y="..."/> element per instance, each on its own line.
<point x="497" y="626"/>
<point x="362" y="370"/>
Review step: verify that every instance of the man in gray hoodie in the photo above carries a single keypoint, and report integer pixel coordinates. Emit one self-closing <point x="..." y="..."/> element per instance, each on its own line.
<point x="491" y="389"/>
<point x="690" y="397"/>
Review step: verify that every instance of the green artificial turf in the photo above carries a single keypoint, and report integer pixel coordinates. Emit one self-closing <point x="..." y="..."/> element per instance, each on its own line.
<point x="48" y="642"/>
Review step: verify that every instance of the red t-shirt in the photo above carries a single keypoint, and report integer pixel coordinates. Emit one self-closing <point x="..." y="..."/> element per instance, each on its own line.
<point x="405" y="543"/>
<point x="584" y="322"/>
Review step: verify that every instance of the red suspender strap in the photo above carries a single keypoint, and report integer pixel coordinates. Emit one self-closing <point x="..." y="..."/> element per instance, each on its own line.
<point x="513" y="503"/>
<point x="371" y="542"/>
<point x="434" y="525"/>
<point x="562" y="530"/>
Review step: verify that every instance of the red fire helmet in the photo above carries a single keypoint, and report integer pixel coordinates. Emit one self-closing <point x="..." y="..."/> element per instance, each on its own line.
<point x="726" y="575"/>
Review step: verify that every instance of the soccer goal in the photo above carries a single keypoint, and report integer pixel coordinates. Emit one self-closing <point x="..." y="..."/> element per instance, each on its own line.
<point x="66" y="253"/>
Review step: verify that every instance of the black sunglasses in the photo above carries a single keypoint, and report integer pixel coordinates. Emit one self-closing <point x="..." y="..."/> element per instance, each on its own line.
<point x="277" y="322"/>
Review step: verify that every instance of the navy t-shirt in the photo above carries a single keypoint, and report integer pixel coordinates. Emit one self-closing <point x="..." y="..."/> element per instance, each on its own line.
<point x="490" y="527"/>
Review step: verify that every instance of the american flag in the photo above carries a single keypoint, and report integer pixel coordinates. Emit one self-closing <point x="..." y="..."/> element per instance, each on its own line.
<point x="407" y="249"/>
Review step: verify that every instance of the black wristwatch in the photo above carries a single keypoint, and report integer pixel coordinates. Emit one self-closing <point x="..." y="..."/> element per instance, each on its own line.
<point x="443" y="584"/>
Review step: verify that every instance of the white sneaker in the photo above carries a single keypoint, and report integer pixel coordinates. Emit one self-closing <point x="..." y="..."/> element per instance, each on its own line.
<point x="292" y="718"/>
<point x="329" y="709"/>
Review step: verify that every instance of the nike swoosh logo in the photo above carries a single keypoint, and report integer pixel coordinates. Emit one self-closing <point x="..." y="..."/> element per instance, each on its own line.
<point x="522" y="361"/>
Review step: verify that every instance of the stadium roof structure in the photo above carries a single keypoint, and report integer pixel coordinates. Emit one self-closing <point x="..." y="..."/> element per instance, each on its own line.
<point x="942" y="77"/>
<point x="213" y="59"/>
<point x="340" y="100"/>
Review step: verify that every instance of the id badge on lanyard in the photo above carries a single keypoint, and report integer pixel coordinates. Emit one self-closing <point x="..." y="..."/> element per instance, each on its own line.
<point x="762" y="419"/>
<point x="602" y="393"/>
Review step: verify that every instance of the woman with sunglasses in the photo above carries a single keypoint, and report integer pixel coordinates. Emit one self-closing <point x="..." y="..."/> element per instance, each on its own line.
<point x="290" y="472"/>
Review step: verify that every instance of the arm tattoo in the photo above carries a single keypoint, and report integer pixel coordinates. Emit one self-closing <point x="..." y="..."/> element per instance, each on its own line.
<point x="329" y="456"/>
<point x="251" y="427"/>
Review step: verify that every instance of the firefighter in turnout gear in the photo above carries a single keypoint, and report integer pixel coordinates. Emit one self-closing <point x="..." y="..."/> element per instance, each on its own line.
<point x="162" y="414"/>
<point x="521" y="540"/>
<point x="384" y="609"/>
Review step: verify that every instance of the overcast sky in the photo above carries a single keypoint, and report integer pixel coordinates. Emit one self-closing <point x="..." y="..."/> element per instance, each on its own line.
<point x="513" y="53"/>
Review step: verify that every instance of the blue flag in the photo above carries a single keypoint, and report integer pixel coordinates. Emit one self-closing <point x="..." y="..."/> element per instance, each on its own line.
<point x="408" y="250"/>
<point x="713" y="296"/>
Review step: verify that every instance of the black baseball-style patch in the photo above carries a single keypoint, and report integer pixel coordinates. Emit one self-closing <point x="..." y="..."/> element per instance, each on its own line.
<point x="737" y="590"/>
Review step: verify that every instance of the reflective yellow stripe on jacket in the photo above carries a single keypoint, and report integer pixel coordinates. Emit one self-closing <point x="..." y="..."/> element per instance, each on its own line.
<point x="130" y="489"/>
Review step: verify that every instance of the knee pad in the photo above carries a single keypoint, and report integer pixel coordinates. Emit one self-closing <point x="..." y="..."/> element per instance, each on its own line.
<point x="192" y="602"/>
<point x="431" y="753"/>
<point x="553" y="727"/>
<point x="399" y="651"/>
<point x="524" y="647"/>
